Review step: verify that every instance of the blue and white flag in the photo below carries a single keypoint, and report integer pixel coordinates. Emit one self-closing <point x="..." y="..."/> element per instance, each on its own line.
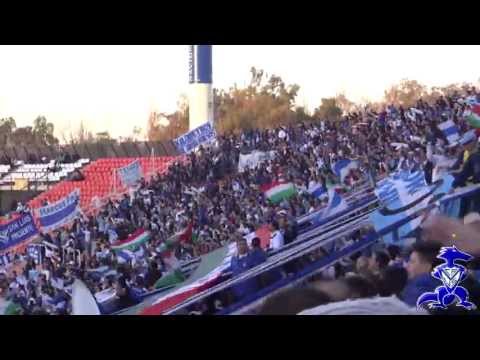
<point x="343" y="167"/>
<point x="124" y="256"/>
<point x="131" y="173"/>
<point x="336" y="203"/>
<point x="471" y="100"/>
<point x="35" y="253"/>
<point x="318" y="191"/>
<point x="404" y="194"/>
<point x="450" y="130"/>
<point x="58" y="214"/>
<point x="193" y="139"/>
<point x="5" y="260"/>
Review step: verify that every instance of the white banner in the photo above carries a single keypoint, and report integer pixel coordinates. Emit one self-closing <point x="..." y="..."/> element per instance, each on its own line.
<point x="131" y="173"/>
<point x="253" y="159"/>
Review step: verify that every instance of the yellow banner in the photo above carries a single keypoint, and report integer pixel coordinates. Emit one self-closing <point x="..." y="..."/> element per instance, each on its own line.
<point x="20" y="184"/>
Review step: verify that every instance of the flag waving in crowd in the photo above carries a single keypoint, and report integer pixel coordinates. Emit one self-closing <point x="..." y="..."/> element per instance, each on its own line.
<point x="343" y="167"/>
<point x="278" y="191"/>
<point x="474" y="117"/>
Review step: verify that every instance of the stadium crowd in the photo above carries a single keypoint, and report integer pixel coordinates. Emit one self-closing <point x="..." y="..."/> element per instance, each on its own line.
<point x="208" y="194"/>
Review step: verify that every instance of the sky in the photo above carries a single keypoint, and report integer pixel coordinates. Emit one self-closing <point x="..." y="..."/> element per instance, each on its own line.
<point x="114" y="88"/>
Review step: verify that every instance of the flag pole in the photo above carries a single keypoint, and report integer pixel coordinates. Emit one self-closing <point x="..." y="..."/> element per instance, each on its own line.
<point x="152" y="163"/>
<point x="114" y="181"/>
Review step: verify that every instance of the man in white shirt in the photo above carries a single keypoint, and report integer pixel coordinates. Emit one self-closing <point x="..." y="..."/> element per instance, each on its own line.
<point x="276" y="239"/>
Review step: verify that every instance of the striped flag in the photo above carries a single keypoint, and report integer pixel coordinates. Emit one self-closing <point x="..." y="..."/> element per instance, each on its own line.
<point x="474" y="117"/>
<point x="450" y="130"/>
<point x="183" y="236"/>
<point x="471" y="100"/>
<point x="222" y="258"/>
<point x="343" y="167"/>
<point x="336" y="203"/>
<point x="277" y="191"/>
<point x="318" y="191"/>
<point x="133" y="241"/>
<point x="407" y="191"/>
<point x="126" y="256"/>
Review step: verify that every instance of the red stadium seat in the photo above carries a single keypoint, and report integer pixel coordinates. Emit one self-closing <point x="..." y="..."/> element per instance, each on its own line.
<point x="99" y="179"/>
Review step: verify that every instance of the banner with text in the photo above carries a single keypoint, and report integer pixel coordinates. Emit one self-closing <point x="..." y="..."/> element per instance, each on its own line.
<point x="403" y="194"/>
<point x="131" y="173"/>
<point x="191" y="140"/>
<point x="253" y="159"/>
<point x="17" y="232"/>
<point x="53" y="216"/>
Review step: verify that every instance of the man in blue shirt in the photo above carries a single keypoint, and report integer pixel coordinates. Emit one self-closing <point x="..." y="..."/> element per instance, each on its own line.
<point x="257" y="253"/>
<point x="420" y="265"/>
<point x="240" y="263"/>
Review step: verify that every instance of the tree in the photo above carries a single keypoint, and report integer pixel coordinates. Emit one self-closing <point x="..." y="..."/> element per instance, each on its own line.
<point x="82" y="136"/>
<point x="163" y="127"/>
<point x="266" y="102"/>
<point x="328" y="110"/>
<point x="302" y="114"/>
<point x="43" y="131"/>
<point x="137" y="132"/>
<point x="23" y="136"/>
<point x="104" y="137"/>
<point x="344" y="104"/>
<point x="406" y="93"/>
<point x="7" y="127"/>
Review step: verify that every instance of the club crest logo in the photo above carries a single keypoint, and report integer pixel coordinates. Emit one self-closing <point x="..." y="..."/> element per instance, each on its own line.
<point x="451" y="274"/>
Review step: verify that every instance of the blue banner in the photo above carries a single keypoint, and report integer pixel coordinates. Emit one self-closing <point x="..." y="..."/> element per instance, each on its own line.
<point x="16" y="232"/>
<point x="53" y="216"/>
<point x="191" y="140"/>
<point x="403" y="194"/>
<point x="131" y="173"/>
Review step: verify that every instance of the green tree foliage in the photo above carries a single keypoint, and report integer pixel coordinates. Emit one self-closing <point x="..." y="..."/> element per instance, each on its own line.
<point x="328" y="110"/>
<point x="406" y="93"/>
<point x="345" y="104"/>
<point x="43" y="131"/>
<point x="40" y="134"/>
<point x="266" y="102"/>
<point x="7" y="127"/>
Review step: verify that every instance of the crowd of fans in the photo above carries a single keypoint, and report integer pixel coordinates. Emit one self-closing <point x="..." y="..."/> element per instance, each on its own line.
<point x="385" y="280"/>
<point x="207" y="191"/>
